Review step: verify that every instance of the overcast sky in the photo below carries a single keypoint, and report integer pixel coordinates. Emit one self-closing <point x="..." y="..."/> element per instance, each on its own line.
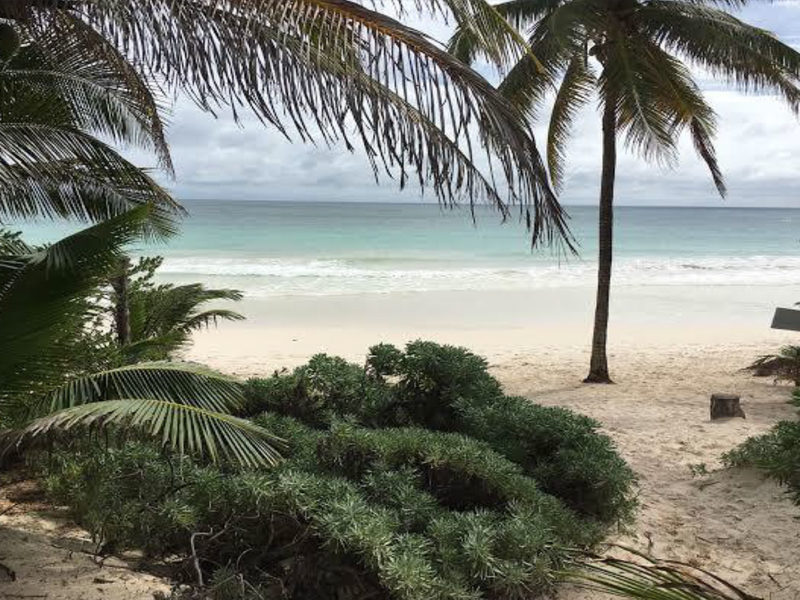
<point x="758" y="147"/>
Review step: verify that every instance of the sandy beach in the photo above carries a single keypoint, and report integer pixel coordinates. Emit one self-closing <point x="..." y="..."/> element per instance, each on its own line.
<point x="670" y="348"/>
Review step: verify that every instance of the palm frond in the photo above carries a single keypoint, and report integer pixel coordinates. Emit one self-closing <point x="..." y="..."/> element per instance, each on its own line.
<point x="750" y="58"/>
<point x="576" y="89"/>
<point x="185" y="426"/>
<point x="647" y="578"/>
<point x="54" y="81"/>
<point x="627" y="79"/>
<point x="683" y="99"/>
<point x="158" y="380"/>
<point x="208" y="318"/>
<point x="526" y="85"/>
<point x="247" y="54"/>
<point x="43" y="292"/>
<point x="48" y="171"/>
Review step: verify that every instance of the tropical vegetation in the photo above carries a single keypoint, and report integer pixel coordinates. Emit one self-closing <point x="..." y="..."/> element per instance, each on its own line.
<point x="633" y="57"/>
<point x="329" y="72"/>
<point x="44" y="302"/>
<point x="413" y="477"/>
<point x="147" y="321"/>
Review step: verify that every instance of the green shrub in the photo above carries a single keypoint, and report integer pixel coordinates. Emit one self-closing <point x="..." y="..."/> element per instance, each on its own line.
<point x="390" y="527"/>
<point x="326" y="388"/>
<point x="561" y="450"/>
<point x="412" y="477"/>
<point x="776" y="452"/>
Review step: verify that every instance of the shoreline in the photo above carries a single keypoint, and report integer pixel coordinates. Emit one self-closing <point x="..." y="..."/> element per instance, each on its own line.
<point x="286" y="331"/>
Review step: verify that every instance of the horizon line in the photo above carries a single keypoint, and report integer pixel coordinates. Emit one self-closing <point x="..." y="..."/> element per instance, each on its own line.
<point x="466" y="205"/>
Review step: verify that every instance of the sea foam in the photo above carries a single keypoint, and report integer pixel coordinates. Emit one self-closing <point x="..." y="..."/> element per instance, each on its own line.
<point x="271" y="277"/>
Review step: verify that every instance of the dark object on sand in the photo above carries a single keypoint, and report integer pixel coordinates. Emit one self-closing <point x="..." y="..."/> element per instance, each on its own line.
<point x="786" y="318"/>
<point x="725" y="405"/>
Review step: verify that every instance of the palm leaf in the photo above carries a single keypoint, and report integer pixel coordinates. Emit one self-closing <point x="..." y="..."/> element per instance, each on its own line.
<point x="247" y="53"/>
<point x="576" y="89"/>
<point x="747" y="57"/>
<point x="629" y="82"/>
<point x="185" y="426"/>
<point x="43" y="293"/>
<point x="683" y="98"/>
<point x="52" y="80"/>
<point x="648" y="578"/>
<point x="188" y="407"/>
<point x="50" y="171"/>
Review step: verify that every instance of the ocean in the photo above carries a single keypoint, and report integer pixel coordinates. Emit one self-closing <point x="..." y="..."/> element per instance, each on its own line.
<point x="270" y="249"/>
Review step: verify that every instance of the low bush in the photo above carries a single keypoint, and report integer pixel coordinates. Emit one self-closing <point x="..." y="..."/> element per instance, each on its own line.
<point x="412" y="477"/>
<point x="446" y="388"/>
<point x="776" y="452"/>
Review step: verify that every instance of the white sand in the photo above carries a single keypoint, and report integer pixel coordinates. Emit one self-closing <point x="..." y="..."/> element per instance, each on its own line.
<point x="53" y="558"/>
<point x="670" y="349"/>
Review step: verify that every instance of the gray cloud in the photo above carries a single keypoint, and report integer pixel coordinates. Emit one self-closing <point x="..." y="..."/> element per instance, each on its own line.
<point x="758" y="146"/>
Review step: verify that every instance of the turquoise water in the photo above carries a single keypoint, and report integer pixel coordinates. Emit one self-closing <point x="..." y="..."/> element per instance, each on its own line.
<point x="283" y="248"/>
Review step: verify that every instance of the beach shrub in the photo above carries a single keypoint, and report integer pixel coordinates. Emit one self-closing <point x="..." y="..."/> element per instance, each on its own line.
<point x="776" y="452"/>
<point x="413" y="476"/>
<point x="412" y="514"/>
<point x="446" y="388"/>
<point x="325" y="389"/>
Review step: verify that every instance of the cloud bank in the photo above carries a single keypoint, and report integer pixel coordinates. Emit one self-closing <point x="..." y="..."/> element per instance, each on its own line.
<point x="758" y="146"/>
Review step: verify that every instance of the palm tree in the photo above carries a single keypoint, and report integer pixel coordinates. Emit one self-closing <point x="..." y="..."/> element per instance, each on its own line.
<point x="159" y="319"/>
<point x="43" y="297"/>
<point x="629" y="54"/>
<point x="54" y="100"/>
<point x="331" y="71"/>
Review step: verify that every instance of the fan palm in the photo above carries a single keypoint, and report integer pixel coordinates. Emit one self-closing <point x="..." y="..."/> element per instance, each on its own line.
<point x="333" y="71"/>
<point x="629" y="54"/>
<point x="43" y="294"/>
<point x="54" y="102"/>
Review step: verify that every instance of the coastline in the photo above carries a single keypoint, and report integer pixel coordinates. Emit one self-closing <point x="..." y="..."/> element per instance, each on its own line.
<point x="670" y="349"/>
<point x="554" y="323"/>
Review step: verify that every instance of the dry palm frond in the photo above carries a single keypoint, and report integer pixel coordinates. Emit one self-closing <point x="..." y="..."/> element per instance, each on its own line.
<point x="648" y="578"/>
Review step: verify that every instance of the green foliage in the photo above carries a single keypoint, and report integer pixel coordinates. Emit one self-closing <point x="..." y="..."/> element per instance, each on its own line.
<point x="633" y="55"/>
<point x="162" y="317"/>
<point x="44" y="298"/>
<point x="562" y="451"/>
<point x="776" y="452"/>
<point x="444" y="388"/>
<point x="388" y="487"/>
<point x="318" y="393"/>
<point x="296" y="71"/>
<point x="314" y="533"/>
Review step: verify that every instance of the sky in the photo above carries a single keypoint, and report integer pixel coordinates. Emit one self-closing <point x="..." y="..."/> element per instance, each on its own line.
<point x="758" y="146"/>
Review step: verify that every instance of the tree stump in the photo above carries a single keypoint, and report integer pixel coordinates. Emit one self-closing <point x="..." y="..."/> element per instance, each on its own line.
<point x="724" y="406"/>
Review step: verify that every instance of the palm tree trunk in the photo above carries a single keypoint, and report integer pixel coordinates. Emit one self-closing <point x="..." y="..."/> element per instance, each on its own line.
<point x="598" y="366"/>
<point x="122" y="321"/>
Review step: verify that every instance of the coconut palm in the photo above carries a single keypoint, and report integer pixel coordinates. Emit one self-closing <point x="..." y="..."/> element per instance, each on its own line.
<point x="629" y="54"/>
<point x="154" y="321"/>
<point x="43" y="297"/>
<point x="332" y="71"/>
<point x="55" y="101"/>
